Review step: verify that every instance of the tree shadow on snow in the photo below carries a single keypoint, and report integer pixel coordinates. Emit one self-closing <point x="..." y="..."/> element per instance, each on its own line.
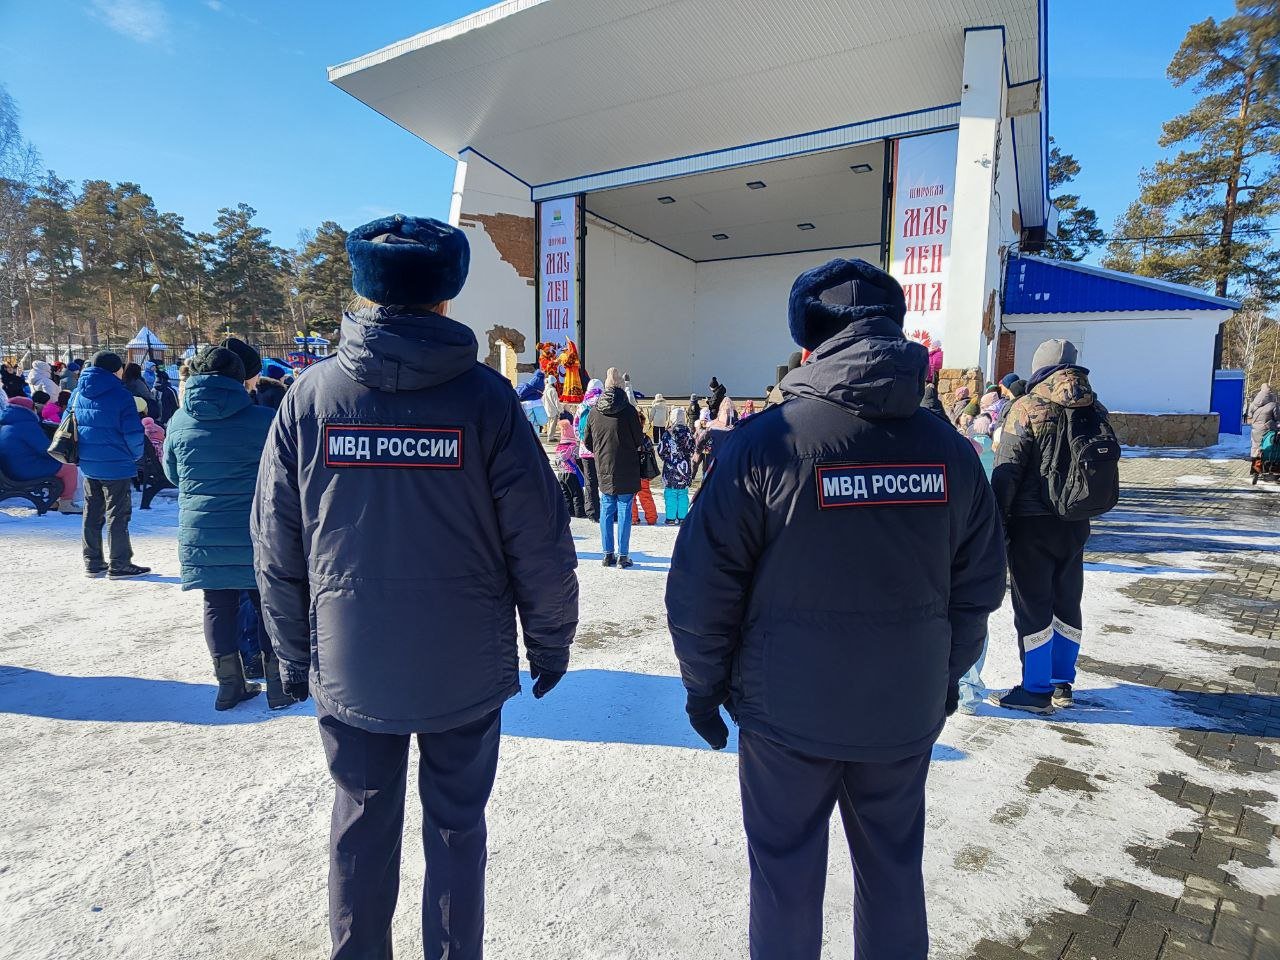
<point x="589" y="706"/>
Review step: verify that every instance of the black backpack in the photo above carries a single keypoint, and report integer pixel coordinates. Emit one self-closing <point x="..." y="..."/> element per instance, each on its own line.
<point x="1080" y="464"/>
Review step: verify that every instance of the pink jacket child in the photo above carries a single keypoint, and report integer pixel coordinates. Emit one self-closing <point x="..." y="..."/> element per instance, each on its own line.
<point x="567" y="449"/>
<point x="155" y="433"/>
<point x="51" y="412"/>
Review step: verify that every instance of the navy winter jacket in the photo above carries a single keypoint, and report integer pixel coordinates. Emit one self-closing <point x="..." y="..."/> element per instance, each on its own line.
<point x="405" y="512"/>
<point x="211" y="454"/>
<point x="110" y="428"/>
<point x="24" y="448"/>
<point x="834" y="577"/>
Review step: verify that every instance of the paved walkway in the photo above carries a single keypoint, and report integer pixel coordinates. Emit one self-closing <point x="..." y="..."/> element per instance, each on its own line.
<point x="1172" y="506"/>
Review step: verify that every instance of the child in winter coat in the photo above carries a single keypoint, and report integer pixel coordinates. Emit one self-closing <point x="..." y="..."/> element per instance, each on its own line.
<point x="586" y="459"/>
<point x="659" y="416"/>
<point x="51" y="412"/>
<point x="155" y="433"/>
<point x="676" y="450"/>
<point x="644" y="499"/>
<point x="568" y="468"/>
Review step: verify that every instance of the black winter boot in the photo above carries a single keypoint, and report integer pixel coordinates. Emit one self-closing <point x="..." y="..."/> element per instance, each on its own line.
<point x="231" y="686"/>
<point x="277" y="699"/>
<point x="253" y="669"/>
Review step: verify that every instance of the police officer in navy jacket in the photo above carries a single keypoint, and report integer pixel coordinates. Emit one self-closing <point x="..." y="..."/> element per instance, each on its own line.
<point x="404" y="514"/>
<point x="830" y="587"/>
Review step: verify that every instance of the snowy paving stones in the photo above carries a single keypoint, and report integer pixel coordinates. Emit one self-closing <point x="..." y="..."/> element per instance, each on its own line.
<point x="136" y="823"/>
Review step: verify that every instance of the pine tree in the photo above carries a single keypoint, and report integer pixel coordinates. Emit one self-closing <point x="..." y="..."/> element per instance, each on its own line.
<point x="1078" y="230"/>
<point x="1213" y="199"/>
<point x="53" y="278"/>
<point x="244" y="272"/>
<point x="326" y="275"/>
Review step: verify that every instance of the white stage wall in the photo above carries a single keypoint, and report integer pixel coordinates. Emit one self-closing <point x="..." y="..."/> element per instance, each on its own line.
<point x="674" y="323"/>
<point x="639" y="310"/>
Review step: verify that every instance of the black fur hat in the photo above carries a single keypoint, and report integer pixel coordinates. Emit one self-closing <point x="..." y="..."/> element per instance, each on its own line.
<point x="408" y="261"/>
<point x="828" y="298"/>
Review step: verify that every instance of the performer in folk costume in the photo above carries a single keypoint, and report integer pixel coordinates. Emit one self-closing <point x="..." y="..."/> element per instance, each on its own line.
<point x="547" y="361"/>
<point x="571" y="388"/>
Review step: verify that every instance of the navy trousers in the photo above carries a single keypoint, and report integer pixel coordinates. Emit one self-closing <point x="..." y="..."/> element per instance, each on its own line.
<point x="455" y="776"/>
<point x="787" y="800"/>
<point x="1046" y="571"/>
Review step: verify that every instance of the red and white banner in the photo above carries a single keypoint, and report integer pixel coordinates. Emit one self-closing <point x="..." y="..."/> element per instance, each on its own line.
<point x="558" y="271"/>
<point x="924" y="175"/>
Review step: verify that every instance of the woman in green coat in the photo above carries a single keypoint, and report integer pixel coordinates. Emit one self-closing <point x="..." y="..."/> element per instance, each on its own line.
<point x="211" y="453"/>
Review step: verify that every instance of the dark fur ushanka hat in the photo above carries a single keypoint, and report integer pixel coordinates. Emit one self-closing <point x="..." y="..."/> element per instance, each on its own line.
<point x="408" y="261"/>
<point x="828" y="298"/>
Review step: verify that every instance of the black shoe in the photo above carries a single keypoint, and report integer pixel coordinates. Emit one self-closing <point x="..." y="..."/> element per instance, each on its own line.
<point x="668" y="522"/>
<point x="625" y="562"/>
<point x="95" y="572"/>
<point x="231" y="686"/>
<point x="1021" y="699"/>
<point x="253" y="667"/>
<point x="124" y="573"/>
<point x="1063" y="697"/>
<point x="609" y="560"/>
<point x="277" y="699"/>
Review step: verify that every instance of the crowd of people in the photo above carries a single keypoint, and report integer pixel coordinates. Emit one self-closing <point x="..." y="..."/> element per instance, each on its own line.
<point x="612" y="449"/>
<point x="136" y="432"/>
<point x="829" y="589"/>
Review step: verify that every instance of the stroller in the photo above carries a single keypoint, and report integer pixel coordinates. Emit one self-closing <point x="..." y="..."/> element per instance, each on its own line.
<point x="1266" y="466"/>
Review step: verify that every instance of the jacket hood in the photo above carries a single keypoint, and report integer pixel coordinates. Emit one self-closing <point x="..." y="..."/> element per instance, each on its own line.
<point x="211" y="396"/>
<point x="393" y="349"/>
<point x="613" y="401"/>
<point x="869" y="367"/>
<point x="11" y="414"/>
<point x="96" y="382"/>
<point x="1067" y="386"/>
<point x="1265" y="395"/>
<point x="42" y="367"/>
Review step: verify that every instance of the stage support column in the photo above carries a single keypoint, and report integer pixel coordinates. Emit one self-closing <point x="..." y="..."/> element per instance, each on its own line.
<point x="975" y="255"/>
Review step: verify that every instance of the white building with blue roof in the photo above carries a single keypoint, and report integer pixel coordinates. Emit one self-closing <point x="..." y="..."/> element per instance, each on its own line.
<point x="1148" y="344"/>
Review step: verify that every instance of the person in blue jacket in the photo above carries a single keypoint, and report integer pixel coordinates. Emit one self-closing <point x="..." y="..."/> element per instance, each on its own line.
<point x="110" y="446"/>
<point x="24" y="450"/>
<point x="211" y="453"/>
<point x="831" y="586"/>
<point x="405" y="515"/>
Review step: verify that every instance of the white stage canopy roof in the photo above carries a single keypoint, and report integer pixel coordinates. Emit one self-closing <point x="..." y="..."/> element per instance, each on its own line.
<point x="575" y="96"/>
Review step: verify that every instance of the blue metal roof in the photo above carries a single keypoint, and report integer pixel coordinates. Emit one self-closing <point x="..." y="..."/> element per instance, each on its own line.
<point x="1039" y="285"/>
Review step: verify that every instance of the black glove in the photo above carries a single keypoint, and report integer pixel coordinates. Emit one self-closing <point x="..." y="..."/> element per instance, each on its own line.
<point x="953" y="698"/>
<point x="704" y="717"/>
<point x="299" y="690"/>
<point x="544" y="681"/>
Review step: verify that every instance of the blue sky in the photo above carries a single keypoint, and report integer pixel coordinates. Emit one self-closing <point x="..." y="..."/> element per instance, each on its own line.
<point x="206" y="103"/>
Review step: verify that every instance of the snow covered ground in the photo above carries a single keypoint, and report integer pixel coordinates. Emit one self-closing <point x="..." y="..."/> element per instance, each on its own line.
<point x="137" y="823"/>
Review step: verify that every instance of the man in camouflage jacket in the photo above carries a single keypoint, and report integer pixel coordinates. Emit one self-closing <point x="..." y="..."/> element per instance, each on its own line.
<point x="1046" y="553"/>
